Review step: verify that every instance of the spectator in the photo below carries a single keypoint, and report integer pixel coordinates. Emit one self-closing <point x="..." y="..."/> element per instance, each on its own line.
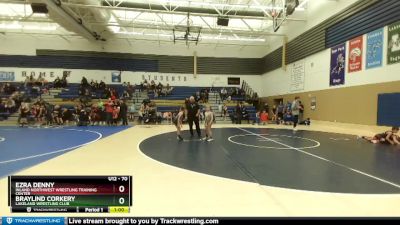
<point x="295" y="108"/>
<point x="102" y="85"/>
<point x="10" y="105"/>
<point x="115" y="114"/>
<point x="264" y="117"/>
<point x="9" y="89"/>
<point x="40" y="115"/>
<point x="245" y="114"/>
<point x="152" y="85"/>
<point x="169" y="89"/>
<point x="57" y="117"/>
<point x="238" y="113"/>
<point x="131" y="112"/>
<point x="130" y="89"/>
<point x="168" y="117"/>
<point x="109" y="111"/>
<point x="224" y="94"/>
<point x="125" y="95"/>
<point x="66" y="116"/>
<point x="124" y="113"/>
<point x="64" y="81"/>
<point x="83" y="118"/>
<point x="57" y="83"/>
<point x="288" y="107"/>
<point x="23" y="115"/>
<point x="288" y="118"/>
<point x="84" y="82"/>
<point x="280" y="110"/>
<point x="273" y="113"/>
<point x="145" y="84"/>
<point x="301" y="111"/>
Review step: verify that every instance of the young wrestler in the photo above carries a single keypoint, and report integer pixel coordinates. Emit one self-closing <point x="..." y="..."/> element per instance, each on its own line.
<point x="208" y="121"/>
<point x="178" y="120"/>
<point x="388" y="137"/>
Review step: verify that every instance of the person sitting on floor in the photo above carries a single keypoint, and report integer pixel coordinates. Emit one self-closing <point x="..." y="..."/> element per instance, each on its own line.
<point x="288" y="118"/>
<point x="83" y="118"/>
<point x="306" y="122"/>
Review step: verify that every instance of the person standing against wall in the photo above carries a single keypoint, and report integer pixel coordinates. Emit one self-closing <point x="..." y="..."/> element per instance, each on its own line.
<point x="279" y="112"/>
<point x="295" y="107"/>
<point x="193" y="115"/>
<point x="301" y="112"/>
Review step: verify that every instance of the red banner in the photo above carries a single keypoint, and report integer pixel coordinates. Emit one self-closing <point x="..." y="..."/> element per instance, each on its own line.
<point x="355" y="54"/>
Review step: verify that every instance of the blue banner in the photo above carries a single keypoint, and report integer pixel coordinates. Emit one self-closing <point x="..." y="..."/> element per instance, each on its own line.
<point x="116" y="77"/>
<point x="374" y="49"/>
<point x="338" y="62"/>
<point x="7" y="76"/>
<point x="33" y="220"/>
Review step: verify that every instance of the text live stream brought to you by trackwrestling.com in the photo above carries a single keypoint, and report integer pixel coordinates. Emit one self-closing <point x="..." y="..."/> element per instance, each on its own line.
<point x="11" y="220"/>
<point x="105" y="220"/>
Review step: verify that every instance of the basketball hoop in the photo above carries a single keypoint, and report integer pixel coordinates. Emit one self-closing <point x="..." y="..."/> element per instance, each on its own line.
<point x="187" y="33"/>
<point x="278" y="13"/>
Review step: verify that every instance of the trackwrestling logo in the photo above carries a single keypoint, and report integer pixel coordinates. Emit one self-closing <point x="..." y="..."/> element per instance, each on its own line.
<point x="9" y="220"/>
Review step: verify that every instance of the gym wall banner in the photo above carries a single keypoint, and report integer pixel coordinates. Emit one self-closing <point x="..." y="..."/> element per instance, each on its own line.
<point x="7" y="76"/>
<point x="355" y="54"/>
<point x="116" y="77"/>
<point x="393" y="53"/>
<point x="338" y="62"/>
<point x="374" y="49"/>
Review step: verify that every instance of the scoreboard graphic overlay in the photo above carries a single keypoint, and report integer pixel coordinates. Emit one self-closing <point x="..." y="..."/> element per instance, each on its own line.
<point x="86" y="194"/>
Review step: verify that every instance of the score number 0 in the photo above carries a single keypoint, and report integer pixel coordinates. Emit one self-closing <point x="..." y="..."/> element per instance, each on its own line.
<point x="121" y="189"/>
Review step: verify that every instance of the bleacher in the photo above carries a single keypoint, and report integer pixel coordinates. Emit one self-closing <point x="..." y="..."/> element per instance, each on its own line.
<point x="163" y="109"/>
<point x="251" y="110"/>
<point x="178" y="93"/>
<point x="28" y="91"/>
<point x="182" y="92"/>
<point x="72" y="91"/>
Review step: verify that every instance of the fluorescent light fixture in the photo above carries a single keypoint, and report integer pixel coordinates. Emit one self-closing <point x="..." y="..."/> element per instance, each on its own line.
<point x="11" y="26"/>
<point x="221" y="5"/>
<point x="232" y="38"/>
<point x="302" y="5"/>
<point x="46" y="28"/>
<point x="17" y="26"/>
<point x="201" y="37"/>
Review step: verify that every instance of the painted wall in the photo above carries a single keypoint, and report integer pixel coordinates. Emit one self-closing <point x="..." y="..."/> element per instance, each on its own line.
<point x="317" y="69"/>
<point x="355" y="105"/>
<point x="135" y="77"/>
<point x="353" y="102"/>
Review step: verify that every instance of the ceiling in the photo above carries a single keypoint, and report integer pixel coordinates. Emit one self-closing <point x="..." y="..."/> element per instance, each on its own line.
<point x="250" y="21"/>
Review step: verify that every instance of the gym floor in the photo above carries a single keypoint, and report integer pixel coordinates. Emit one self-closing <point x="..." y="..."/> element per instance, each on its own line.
<point x="248" y="170"/>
